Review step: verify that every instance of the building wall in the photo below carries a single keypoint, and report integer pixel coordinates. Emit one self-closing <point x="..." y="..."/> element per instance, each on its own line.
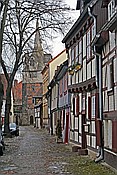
<point x="110" y="94"/>
<point x="60" y="58"/>
<point x="45" y="90"/>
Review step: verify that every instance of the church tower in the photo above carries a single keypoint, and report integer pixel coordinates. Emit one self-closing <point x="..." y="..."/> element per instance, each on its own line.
<point x="32" y="80"/>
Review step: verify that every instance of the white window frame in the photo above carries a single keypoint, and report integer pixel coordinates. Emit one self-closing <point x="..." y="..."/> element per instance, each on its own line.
<point x="111" y="9"/>
<point x="70" y="56"/>
<point x="83" y="103"/>
<point x="110" y="76"/>
<point x="93" y="110"/>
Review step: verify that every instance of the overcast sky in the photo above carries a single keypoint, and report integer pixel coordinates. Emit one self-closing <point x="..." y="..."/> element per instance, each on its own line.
<point x="58" y="46"/>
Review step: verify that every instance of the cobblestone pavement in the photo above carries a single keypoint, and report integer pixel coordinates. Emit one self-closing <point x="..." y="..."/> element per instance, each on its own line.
<point x="35" y="152"/>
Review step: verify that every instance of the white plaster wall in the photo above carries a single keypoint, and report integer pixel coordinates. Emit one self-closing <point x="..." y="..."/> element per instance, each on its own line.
<point x="80" y="128"/>
<point x="76" y="136"/>
<point x="80" y="76"/>
<point x="88" y="95"/>
<point x="84" y="70"/>
<point x="88" y="140"/>
<point x="57" y="61"/>
<point x="110" y="134"/>
<point x="104" y="76"/>
<point x="115" y="69"/>
<point x="80" y="139"/>
<point x="105" y="133"/>
<point x="69" y="79"/>
<point x="84" y="45"/>
<point x="93" y="127"/>
<point x="89" y="70"/>
<point x="93" y="141"/>
<point x="80" y="102"/>
<point x="72" y="121"/>
<point x="71" y="102"/>
<point x="76" y="77"/>
<point x="76" y="123"/>
<point x="93" y="67"/>
<point x="115" y="95"/>
<point x="112" y="40"/>
<point x="73" y="79"/>
<point x="105" y="101"/>
<point x="111" y="103"/>
<point x="71" y="135"/>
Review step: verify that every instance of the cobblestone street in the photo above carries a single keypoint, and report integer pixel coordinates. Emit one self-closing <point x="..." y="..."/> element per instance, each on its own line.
<point x="35" y="152"/>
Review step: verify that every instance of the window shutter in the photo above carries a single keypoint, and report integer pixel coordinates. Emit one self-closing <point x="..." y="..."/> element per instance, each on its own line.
<point x="89" y="108"/>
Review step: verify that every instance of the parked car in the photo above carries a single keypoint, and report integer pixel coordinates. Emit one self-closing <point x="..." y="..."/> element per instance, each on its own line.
<point x="2" y="145"/>
<point x="14" y="129"/>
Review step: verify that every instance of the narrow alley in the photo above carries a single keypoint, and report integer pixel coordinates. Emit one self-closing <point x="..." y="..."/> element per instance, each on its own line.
<point x="35" y="152"/>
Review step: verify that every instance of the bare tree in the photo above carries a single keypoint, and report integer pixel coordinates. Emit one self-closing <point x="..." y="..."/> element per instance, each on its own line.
<point x="17" y="33"/>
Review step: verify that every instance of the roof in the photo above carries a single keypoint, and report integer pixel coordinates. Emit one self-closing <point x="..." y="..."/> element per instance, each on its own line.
<point x="46" y="66"/>
<point x="59" y="73"/>
<point x="56" y="56"/>
<point x="77" y="25"/>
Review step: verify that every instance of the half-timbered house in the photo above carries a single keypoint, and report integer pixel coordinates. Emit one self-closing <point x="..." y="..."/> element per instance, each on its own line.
<point x="106" y="46"/>
<point x="83" y="79"/>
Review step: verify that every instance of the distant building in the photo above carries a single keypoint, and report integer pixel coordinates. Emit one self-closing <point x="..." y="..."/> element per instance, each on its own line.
<point x="45" y="75"/>
<point x="52" y="94"/>
<point x="11" y="115"/>
<point x="32" y="80"/>
<point x="17" y="101"/>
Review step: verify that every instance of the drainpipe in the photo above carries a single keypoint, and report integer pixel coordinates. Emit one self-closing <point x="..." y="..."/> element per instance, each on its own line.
<point x="100" y="155"/>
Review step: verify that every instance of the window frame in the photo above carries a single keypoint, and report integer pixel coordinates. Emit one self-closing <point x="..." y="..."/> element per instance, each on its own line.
<point x="110" y="75"/>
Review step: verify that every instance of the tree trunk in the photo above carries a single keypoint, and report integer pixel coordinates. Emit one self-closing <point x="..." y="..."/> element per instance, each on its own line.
<point x="7" y="110"/>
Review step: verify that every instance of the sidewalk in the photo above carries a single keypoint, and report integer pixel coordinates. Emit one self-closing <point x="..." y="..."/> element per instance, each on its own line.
<point x="35" y="152"/>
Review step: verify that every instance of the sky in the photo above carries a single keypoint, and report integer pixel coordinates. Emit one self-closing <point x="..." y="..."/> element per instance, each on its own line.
<point x="58" y="45"/>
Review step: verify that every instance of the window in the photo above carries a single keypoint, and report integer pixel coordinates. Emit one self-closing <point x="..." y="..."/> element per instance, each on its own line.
<point x="69" y="53"/>
<point x="110" y="75"/>
<point x="83" y="103"/>
<point x="76" y="53"/>
<point x="84" y="46"/>
<point x="111" y="9"/>
<point x="80" y="52"/>
<point x="93" y="106"/>
<point x="73" y="55"/>
<point x="88" y="45"/>
<point x="60" y="88"/>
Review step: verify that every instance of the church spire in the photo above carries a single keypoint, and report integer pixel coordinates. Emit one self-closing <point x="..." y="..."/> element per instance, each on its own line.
<point x="38" y="50"/>
<point x="37" y="41"/>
